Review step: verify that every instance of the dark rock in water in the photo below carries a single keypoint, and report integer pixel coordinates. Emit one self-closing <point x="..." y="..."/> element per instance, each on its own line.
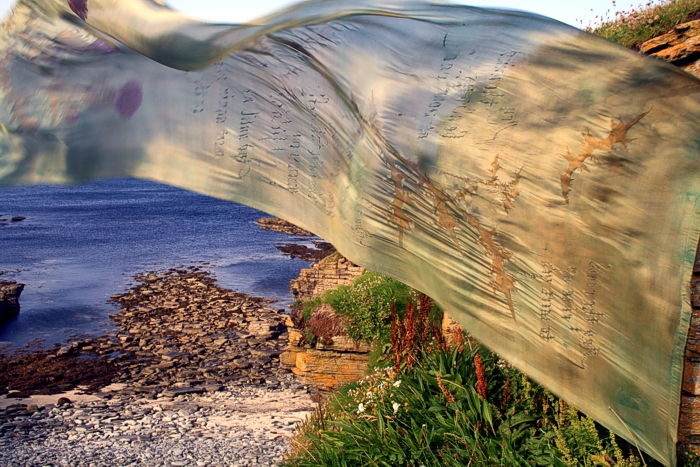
<point x="279" y="225"/>
<point x="322" y="250"/>
<point x="7" y="220"/>
<point x="9" y="299"/>
<point x="63" y="351"/>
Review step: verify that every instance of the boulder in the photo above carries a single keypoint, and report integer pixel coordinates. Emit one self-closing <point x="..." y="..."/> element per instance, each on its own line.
<point x="9" y="299"/>
<point x="264" y="329"/>
<point x="328" y="370"/>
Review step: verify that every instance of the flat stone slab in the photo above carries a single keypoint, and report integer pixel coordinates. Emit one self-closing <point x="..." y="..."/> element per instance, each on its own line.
<point x="172" y="392"/>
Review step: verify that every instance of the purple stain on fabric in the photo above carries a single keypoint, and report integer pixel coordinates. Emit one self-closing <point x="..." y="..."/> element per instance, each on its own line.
<point x="71" y="118"/>
<point x="79" y="7"/>
<point x="129" y="99"/>
<point x="100" y="47"/>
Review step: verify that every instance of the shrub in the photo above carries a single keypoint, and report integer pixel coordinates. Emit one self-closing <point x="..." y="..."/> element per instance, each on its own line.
<point x="366" y="305"/>
<point x="325" y="324"/>
<point x="363" y="308"/>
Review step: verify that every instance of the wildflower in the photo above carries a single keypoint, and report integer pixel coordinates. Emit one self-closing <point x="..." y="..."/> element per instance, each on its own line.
<point x="506" y="395"/>
<point x="360" y="407"/>
<point x="450" y="397"/>
<point x="396" y="406"/>
<point x="481" y="384"/>
<point x="397" y="383"/>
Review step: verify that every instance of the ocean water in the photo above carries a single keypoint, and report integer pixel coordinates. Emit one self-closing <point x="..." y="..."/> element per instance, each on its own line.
<point x="80" y="244"/>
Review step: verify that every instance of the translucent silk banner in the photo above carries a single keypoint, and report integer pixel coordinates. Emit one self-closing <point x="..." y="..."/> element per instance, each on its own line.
<point x="540" y="183"/>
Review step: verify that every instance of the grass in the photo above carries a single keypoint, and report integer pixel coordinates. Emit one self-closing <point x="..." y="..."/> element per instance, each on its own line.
<point x="638" y="25"/>
<point x="364" y="305"/>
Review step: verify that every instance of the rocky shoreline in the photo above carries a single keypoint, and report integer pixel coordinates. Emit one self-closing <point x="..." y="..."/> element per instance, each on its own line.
<point x="199" y="383"/>
<point x="280" y="225"/>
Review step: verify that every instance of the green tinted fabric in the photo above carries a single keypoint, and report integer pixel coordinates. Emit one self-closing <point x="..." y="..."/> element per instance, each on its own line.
<point x="538" y="182"/>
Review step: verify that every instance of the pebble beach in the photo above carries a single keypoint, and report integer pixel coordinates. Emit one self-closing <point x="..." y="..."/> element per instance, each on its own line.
<point x="190" y="377"/>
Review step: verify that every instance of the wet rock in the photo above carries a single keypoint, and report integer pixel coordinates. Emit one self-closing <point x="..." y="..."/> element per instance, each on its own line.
<point x="279" y="225"/>
<point x="293" y="250"/>
<point x="9" y="299"/>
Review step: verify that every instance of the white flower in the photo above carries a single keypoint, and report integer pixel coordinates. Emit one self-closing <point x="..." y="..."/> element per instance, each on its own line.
<point x="396" y="406"/>
<point x="361" y="408"/>
<point x="397" y="383"/>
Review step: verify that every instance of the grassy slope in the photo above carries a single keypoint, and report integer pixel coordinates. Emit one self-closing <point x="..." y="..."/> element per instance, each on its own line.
<point x="632" y="28"/>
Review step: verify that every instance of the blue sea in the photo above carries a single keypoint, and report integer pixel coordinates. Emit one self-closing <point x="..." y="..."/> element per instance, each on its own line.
<point x="80" y="244"/>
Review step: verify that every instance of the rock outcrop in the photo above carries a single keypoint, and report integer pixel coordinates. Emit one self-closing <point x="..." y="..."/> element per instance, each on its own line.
<point x="689" y="423"/>
<point x="325" y="366"/>
<point x="280" y="225"/>
<point x="327" y="274"/>
<point x="9" y="299"/>
<point x="680" y="46"/>
<point x="294" y="250"/>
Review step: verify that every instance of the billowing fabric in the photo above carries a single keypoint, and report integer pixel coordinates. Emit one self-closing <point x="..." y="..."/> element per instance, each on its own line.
<point x="540" y="183"/>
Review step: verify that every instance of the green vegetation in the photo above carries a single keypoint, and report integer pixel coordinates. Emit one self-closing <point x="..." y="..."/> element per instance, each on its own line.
<point x="427" y="403"/>
<point x="451" y="407"/>
<point x="365" y="306"/>
<point x="361" y="311"/>
<point x="632" y="28"/>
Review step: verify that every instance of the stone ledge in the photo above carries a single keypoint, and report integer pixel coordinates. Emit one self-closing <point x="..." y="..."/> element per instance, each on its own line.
<point x="327" y="370"/>
<point x="679" y="46"/>
<point x="327" y="274"/>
